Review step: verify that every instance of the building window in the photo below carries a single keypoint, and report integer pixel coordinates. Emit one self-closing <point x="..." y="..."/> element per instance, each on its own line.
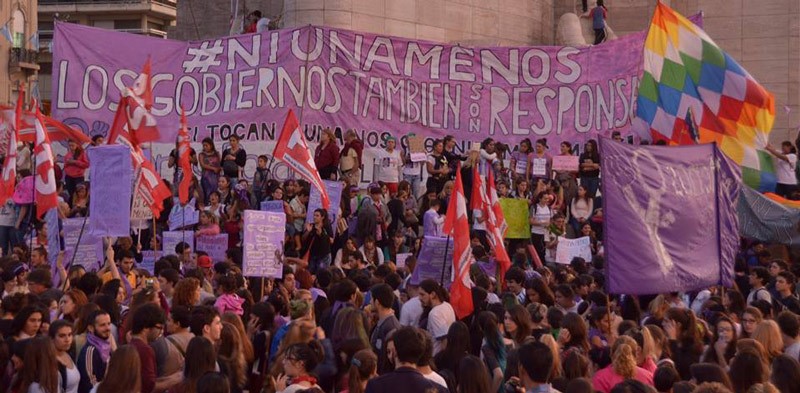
<point x="18" y="29"/>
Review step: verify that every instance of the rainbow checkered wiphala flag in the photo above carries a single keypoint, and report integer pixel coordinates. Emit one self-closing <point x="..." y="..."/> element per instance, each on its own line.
<point x="684" y="68"/>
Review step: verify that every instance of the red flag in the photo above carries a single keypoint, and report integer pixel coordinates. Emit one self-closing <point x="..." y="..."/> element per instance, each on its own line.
<point x="8" y="181"/>
<point x="150" y="187"/>
<point x="494" y="202"/>
<point x="56" y="130"/>
<point x="18" y="110"/>
<point x="294" y="152"/>
<point x="456" y="223"/>
<point x="139" y="100"/>
<point x="493" y="230"/>
<point x="46" y="193"/>
<point x="184" y="153"/>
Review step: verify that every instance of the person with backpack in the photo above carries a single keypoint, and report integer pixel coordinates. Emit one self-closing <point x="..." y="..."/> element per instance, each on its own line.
<point x="786" y="299"/>
<point x="759" y="277"/>
<point x="170" y="350"/>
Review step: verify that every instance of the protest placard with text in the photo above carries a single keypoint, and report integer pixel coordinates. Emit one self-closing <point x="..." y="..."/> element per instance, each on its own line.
<point x="263" y="235"/>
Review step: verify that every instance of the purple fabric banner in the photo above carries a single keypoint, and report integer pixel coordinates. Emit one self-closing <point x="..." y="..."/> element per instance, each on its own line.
<point x="379" y="85"/>
<point x="263" y="235"/>
<point x="334" y="189"/>
<point x="110" y="194"/>
<point x="670" y="217"/>
<point x="89" y="253"/>
<point x="54" y="243"/>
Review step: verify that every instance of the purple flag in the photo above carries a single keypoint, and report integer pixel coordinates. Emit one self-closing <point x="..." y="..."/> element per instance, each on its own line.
<point x="110" y="193"/>
<point x="263" y="235"/>
<point x="670" y="217"/>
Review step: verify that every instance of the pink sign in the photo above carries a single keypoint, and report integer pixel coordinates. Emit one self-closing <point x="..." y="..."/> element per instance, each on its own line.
<point x="565" y="163"/>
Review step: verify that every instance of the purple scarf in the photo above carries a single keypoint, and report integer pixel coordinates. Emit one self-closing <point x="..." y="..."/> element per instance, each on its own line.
<point x="102" y="345"/>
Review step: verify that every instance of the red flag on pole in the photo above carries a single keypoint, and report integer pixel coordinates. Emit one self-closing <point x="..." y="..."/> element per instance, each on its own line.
<point x="493" y="230"/>
<point x="56" y="130"/>
<point x="9" y="179"/>
<point x="139" y="99"/>
<point x="184" y="152"/>
<point x="456" y="223"/>
<point x="45" y="183"/>
<point x="293" y="150"/>
<point x="151" y="187"/>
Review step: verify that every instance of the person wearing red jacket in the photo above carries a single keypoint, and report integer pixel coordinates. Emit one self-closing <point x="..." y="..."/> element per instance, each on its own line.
<point x="326" y="156"/>
<point x="75" y="164"/>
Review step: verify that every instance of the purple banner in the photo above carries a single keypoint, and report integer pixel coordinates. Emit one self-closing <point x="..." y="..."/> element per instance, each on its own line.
<point x="670" y="217"/>
<point x="170" y="239"/>
<point x="379" y="85"/>
<point x="432" y="258"/>
<point x="53" y="243"/>
<point x="272" y="206"/>
<point x="263" y="235"/>
<point x="89" y="252"/>
<point x="110" y="194"/>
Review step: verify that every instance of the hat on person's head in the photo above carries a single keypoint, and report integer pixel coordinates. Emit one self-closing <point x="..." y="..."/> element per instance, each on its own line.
<point x="18" y="268"/>
<point x="204" y="261"/>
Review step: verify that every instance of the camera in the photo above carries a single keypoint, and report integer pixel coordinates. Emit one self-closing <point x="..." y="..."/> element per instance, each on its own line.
<point x="148" y="283"/>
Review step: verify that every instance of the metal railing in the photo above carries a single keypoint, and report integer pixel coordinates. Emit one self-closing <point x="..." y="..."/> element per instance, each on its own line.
<point x="169" y="3"/>
<point x="22" y="55"/>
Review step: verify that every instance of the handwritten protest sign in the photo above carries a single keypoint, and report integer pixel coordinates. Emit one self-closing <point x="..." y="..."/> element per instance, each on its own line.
<point x="315" y="200"/>
<point x="565" y="163"/>
<point x="272" y="206"/>
<point x="170" y="239"/>
<point x="416" y="146"/>
<point x="89" y="253"/>
<point x="401" y="259"/>
<point x="539" y="167"/>
<point x="263" y="235"/>
<point x="139" y="208"/>
<point x="516" y="213"/>
<point x="432" y="258"/>
<point x="111" y="216"/>
<point x="183" y="216"/>
<point x="571" y="248"/>
<point x="214" y="246"/>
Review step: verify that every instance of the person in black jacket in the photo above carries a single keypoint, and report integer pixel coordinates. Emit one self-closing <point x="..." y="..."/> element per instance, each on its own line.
<point x="409" y="345"/>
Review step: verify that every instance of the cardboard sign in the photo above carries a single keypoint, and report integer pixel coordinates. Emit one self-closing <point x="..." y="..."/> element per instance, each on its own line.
<point x="170" y="239"/>
<point x="571" y="248"/>
<point x="565" y="163"/>
<point x="215" y="246"/>
<point x="263" y="235"/>
<point x="272" y="206"/>
<point x="149" y="258"/>
<point x="89" y="253"/>
<point x="416" y="148"/>
<point x="401" y="259"/>
<point x="539" y="167"/>
<point x="183" y="216"/>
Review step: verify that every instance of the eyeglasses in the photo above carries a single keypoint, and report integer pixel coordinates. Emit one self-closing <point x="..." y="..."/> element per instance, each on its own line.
<point x="749" y="320"/>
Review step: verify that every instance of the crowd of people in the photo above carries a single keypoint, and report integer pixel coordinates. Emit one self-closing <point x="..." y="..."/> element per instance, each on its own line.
<point x="345" y="316"/>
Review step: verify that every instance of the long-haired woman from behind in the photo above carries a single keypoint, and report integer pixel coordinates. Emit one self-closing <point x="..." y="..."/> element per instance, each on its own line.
<point x="685" y="344"/>
<point x="623" y="366"/>
<point x="40" y="374"/>
<point x="230" y="357"/>
<point x="493" y="350"/>
<point x="363" y="367"/>
<point x="124" y="372"/>
<point x="458" y="345"/>
<point x="786" y="374"/>
<point x="200" y="359"/>
<point x="473" y="377"/>
<point x="769" y="335"/>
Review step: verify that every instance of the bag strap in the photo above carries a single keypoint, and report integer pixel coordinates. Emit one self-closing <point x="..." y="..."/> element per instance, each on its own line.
<point x="171" y="339"/>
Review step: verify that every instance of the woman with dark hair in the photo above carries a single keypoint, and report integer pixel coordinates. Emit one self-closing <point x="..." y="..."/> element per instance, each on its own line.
<point x="40" y="374"/>
<point x="541" y="162"/>
<point x="69" y="376"/>
<point x="686" y="346"/>
<point x="458" y="345"/>
<point x="710" y="372"/>
<point x="540" y="215"/>
<point x="262" y="321"/>
<point x="210" y="164"/>
<point x="786" y="374"/>
<point x="317" y="240"/>
<point x="213" y="382"/>
<point x="574" y="334"/>
<point x="567" y="179"/>
<point x="200" y="359"/>
<point x="581" y="208"/>
<point x="123" y="374"/>
<point x="589" y="170"/>
<point x="723" y="348"/>
<point x="472" y="376"/>
<point x="601" y="334"/>
<point x="299" y="361"/>
<point x="517" y="323"/>
<point x="326" y="155"/>
<point x="438" y="170"/>
<point x="493" y="349"/>
<point x="746" y="370"/>
<point x="521" y="162"/>
<point x="734" y="304"/>
<point x="537" y="291"/>
<point x="26" y="323"/>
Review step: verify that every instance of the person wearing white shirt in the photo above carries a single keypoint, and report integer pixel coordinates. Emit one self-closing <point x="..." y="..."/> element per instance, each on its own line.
<point x="785" y="168"/>
<point x="389" y="165"/>
<point x="441" y="316"/>
<point x="411" y="312"/>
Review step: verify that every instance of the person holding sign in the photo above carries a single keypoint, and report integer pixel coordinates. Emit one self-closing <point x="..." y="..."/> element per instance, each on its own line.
<point x="438" y="170"/>
<point x="567" y="177"/>
<point x="388" y="166"/>
<point x="521" y="161"/>
<point x="541" y="162"/>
